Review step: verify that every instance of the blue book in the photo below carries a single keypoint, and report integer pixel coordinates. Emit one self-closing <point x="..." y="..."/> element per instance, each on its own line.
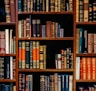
<point x="58" y="32"/>
<point x="81" y="40"/>
<point x="67" y="83"/>
<point x="19" y="6"/>
<point x="43" y="31"/>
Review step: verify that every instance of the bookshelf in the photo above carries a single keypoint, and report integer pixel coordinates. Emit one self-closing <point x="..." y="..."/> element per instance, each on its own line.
<point x="48" y="45"/>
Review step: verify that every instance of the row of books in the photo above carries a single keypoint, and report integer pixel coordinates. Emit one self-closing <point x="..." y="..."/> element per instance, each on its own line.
<point x="7" y="67"/>
<point x="85" y="11"/>
<point x="7" y="87"/>
<point x="7" y="42"/>
<point x="25" y="82"/>
<point x="9" y="10"/>
<point x="85" y="42"/>
<point x="56" y="82"/>
<point x="34" y="28"/>
<point x="64" y="59"/>
<point x="32" y="55"/>
<point x="89" y="88"/>
<point x="45" y="5"/>
<point x="86" y="68"/>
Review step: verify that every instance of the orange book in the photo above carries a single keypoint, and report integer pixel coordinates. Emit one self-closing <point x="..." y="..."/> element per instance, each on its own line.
<point x="23" y="56"/>
<point x="34" y="54"/>
<point x="93" y="72"/>
<point x="84" y="71"/>
<point x="89" y="66"/>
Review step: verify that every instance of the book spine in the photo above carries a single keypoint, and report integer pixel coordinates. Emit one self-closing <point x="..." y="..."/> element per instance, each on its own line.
<point x="20" y="53"/>
<point x="38" y="28"/>
<point x="77" y="68"/>
<point x="7" y="40"/>
<point x="90" y="42"/>
<point x="34" y="5"/>
<point x="34" y="28"/>
<point x="45" y="47"/>
<point x="37" y="53"/>
<point x="41" y="57"/>
<point x="77" y="10"/>
<point x="94" y="44"/>
<point x="34" y="54"/>
<point x="11" y="68"/>
<point x="25" y="5"/>
<point x="2" y="40"/>
<point x="27" y="54"/>
<point x="86" y="10"/>
<point x="86" y="41"/>
<point x="12" y="10"/>
<point x="7" y="10"/>
<point x="19" y="5"/>
<point x="84" y="66"/>
<point x="28" y="35"/>
<point x="70" y="82"/>
<point x="93" y="68"/>
<point x="89" y="68"/>
<point x="81" y="11"/>
<point x="31" y="55"/>
<point x="23" y="56"/>
<point x="90" y="13"/>
<point x="94" y="12"/>
<point x="81" y="40"/>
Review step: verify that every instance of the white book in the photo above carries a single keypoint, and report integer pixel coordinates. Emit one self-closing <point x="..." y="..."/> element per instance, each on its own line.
<point x="11" y="47"/>
<point x="59" y="82"/>
<point x="77" y="68"/>
<point x="70" y="82"/>
<point x="11" y="67"/>
<point x="59" y="61"/>
<point x="7" y="41"/>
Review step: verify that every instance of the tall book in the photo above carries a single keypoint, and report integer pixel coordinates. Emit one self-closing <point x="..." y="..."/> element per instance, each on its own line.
<point x="12" y="10"/>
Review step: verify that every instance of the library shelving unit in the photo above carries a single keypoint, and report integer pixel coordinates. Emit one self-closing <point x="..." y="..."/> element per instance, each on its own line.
<point x="48" y="46"/>
<point x="7" y="47"/>
<point x="85" y="55"/>
<point x="49" y="29"/>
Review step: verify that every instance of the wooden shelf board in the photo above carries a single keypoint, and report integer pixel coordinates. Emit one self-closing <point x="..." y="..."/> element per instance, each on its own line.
<point x="66" y="12"/>
<point x="7" y="80"/>
<point x="86" y="54"/>
<point x="85" y="23"/>
<point x="45" y="70"/>
<point x="41" y="38"/>
<point x="7" y="23"/>
<point x="7" y="54"/>
<point x="85" y="80"/>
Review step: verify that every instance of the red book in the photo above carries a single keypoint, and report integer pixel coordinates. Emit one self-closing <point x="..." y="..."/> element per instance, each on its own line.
<point x="93" y="72"/>
<point x="89" y="67"/>
<point x="84" y="70"/>
<point x="12" y="10"/>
